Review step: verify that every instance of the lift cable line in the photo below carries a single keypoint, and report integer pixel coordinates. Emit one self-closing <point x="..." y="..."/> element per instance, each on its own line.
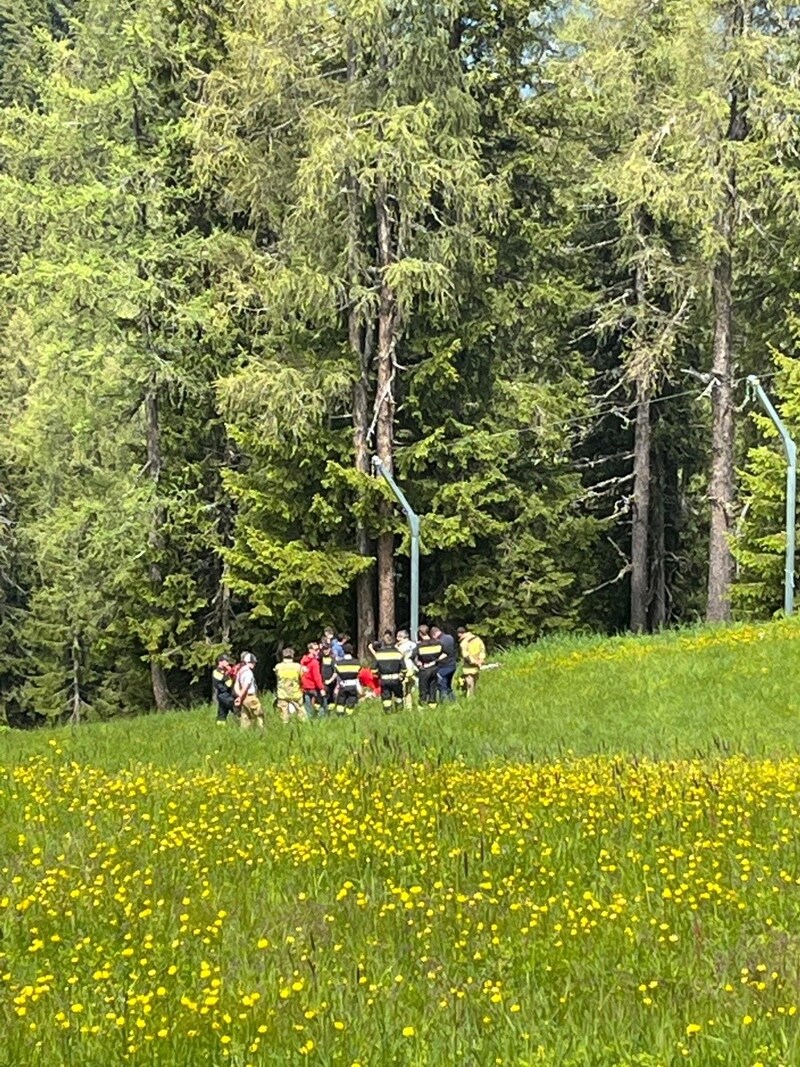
<point x="754" y="388"/>
<point x="592" y="416"/>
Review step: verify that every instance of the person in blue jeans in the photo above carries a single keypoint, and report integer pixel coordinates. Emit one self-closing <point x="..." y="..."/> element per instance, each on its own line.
<point x="448" y="663"/>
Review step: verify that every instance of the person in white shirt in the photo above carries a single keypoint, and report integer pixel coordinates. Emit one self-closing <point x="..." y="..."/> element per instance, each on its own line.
<point x="247" y="693"/>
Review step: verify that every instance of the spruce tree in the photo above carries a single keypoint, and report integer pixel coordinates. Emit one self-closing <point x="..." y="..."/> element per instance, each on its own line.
<point x="117" y="346"/>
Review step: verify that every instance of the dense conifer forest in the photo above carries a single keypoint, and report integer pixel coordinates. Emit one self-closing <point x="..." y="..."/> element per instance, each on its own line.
<point x="527" y="253"/>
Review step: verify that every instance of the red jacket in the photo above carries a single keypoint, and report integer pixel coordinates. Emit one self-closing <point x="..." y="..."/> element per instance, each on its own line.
<point x="369" y="681"/>
<point x="312" y="676"/>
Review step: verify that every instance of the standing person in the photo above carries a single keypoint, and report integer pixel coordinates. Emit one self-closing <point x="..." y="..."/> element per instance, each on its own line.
<point x="312" y="683"/>
<point x="327" y="663"/>
<point x="289" y="692"/>
<point x="391" y="668"/>
<point x="429" y="654"/>
<point x="348" y="689"/>
<point x="448" y="663"/>
<point x="334" y="643"/>
<point x="473" y="657"/>
<point x="222" y="679"/>
<point x="408" y="649"/>
<point x="246" y="692"/>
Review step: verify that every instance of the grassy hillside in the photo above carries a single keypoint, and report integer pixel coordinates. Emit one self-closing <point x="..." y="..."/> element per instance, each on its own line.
<point x="595" y="865"/>
<point x="704" y="692"/>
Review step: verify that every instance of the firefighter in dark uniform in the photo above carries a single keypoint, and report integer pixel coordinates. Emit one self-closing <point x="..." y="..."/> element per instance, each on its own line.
<point x="391" y="665"/>
<point x="223" y="678"/>
<point x="349" y="689"/>
<point x="429" y="656"/>
<point x="327" y="664"/>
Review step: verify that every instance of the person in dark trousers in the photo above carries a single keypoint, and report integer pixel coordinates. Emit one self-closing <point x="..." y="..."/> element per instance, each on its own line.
<point x="223" y="678"/>
<point x="348" y="690"/>
<point x="312" y="684"/>
<point x="429" y="654"/>
<point x="447" y="664"/>
<point x="327" y="663"/>
<point x="391" y="668"/>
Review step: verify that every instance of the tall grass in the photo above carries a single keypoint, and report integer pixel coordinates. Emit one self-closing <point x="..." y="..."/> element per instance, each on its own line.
<point x="699" y="692"/>
<point x="594" y="863"/>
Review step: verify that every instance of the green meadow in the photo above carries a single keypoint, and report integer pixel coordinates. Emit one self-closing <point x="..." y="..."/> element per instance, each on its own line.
<point x="593" y="863"/>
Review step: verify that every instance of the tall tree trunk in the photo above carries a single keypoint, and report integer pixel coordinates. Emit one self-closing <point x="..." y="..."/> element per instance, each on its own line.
<point x="658" y="564"/>
<point x="225" y="612"/>
<point x="640" y="521"/>
<point x="673" y="509"/>
<point x="77" y="703"/>
<point x="721" y="483"/>
<point x="361" y="344"/>
<point x="361" y="340"/>
<point x="224" y="597"/>
<point x="158" y="678"/>
<point x="224" y="617"/>
<point x="161" y="694"/>
<point x="640" y="531"/>
<point x="388" y="329"/>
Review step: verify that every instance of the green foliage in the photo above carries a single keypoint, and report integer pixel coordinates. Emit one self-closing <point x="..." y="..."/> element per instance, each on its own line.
<point x="111" y="311"/>
<point x="760" y="546"/>
<point x="410" y="124"/>
<point x="25" y="29"/>
<point x="192" y="278"/>
<point x="292" y="556"/>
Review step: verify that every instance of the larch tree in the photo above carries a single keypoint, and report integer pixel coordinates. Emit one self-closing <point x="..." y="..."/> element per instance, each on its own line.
<point x="25" y="29"/>
<point x="345" y="134"/>
<point x="618" y="75"/>
<point x="773" y="310"/>
<point x="486" y="435"/>
<point x="683" y="174"/>
<point x="734" y="57"/>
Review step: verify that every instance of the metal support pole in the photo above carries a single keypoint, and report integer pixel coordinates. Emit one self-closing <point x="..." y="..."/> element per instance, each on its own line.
<point x="413" y="523"/>
<point x="790" y="449"/>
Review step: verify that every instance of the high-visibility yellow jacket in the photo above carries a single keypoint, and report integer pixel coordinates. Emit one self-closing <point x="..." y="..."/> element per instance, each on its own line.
<point x="288" y="674"/>
<point x="473" y="651"/>
<point x="429" y="652"/>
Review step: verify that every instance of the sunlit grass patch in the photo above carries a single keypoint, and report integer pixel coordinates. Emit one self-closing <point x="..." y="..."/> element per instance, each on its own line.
<point x="594" y="864"/>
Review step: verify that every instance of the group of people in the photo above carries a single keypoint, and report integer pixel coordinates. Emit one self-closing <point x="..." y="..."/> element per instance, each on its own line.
<point x="329" y="676"/>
